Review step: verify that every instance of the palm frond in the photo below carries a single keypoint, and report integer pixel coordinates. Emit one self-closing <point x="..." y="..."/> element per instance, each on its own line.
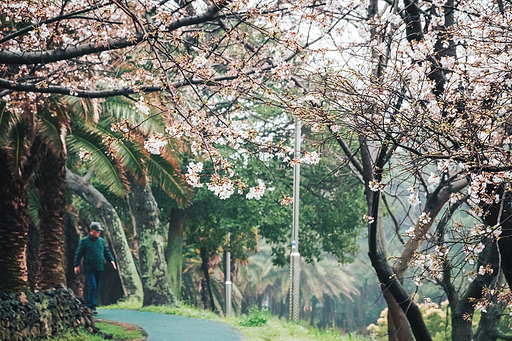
<point x="129" y="153"/>
<point x="53" y="131"/>
<point x="34" y="204"/>
<point x="105" y="166"/>
<point x="164" y="172"/>
<point x="17" y="144"/>
<point x="5" y="121"/>
<point x="121" y="108"/>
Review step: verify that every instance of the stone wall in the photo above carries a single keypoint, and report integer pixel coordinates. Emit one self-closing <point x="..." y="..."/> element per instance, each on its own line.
<point x="29" y="316"/>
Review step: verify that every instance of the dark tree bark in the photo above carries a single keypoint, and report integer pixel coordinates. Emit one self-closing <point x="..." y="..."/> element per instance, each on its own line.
<point x="398" y="326"/>
<point x="502" y="213"/>
<point x="174" y="251"/>
<point x="13" y="226"/>
<point x="71" y="240"/>
<point x="126" y="266"/>
<point x="32" y="256"/>
<point x="150" y="243"/>
<point x="462" y="307"/>
<point x="51" y="182"/>
<point x="207" y="288"/>
<point x="111" y="289"/>
<point x="489" y="322"/>
<point x="386" y="276"/>
<point x="313" y="311"/>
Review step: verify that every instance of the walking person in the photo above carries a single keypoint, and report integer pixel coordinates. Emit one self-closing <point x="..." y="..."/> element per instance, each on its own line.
<point x="94" y="250"/>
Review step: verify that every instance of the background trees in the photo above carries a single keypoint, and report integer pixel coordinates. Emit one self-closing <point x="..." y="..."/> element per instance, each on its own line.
<point x="425" y="111"/>
<point x="420" y="108"/>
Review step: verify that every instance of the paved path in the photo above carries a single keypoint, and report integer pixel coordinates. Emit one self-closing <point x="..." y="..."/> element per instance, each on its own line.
<point x="161" y="327"/>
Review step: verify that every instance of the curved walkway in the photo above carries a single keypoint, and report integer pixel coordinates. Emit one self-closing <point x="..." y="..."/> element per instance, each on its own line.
<point x="161" y="327"/>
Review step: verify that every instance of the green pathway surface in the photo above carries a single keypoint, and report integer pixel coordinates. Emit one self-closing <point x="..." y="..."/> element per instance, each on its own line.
<point x="161" y="327"/>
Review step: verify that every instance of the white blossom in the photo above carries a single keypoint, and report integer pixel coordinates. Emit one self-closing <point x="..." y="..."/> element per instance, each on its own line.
<point x="311" y="158"/>
<point x="376" y="186"/>
<point x="154" y="143"/>
<point x="142" y="106"/>
<point x="433" y="179"/>
<point x="368" y="219"/>
<point x="84" y="155"/>
<point x="256" y="192"/>
<point x="411" y="232"/>
<point x="414" y="199"/>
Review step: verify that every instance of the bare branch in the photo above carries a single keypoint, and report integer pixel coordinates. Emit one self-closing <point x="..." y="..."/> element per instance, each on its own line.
<point x="19" y="58"/>
<point x="72" y="15"/>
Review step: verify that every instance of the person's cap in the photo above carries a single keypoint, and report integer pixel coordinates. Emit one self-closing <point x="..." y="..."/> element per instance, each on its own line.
<point x="95" y="226"/>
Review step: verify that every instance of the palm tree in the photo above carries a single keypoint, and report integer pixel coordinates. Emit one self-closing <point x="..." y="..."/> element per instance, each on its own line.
<point x="318" y="280"/>
<point x="128" y="171"/>
<point x="25" y="141"/>
<point x="17" y="161"/>
<point x="50" y="181"/>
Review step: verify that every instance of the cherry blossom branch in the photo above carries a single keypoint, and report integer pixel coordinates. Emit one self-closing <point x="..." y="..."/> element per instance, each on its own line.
<point x="20" y="58"/>
<point x="16" y="58"/>
<point x="72" y="15"/>
<point x="198" y="19"/>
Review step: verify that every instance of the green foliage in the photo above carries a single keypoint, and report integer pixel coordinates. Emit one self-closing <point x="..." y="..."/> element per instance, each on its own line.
<point x="210" y="219"/>
<point x="165" y="173"/>
<point x="5" y="118"/>
<point x="106" y="167"/>
<point x="130" y="304"/>
<point x="436" y="319"/>
<point x="79" y="335"/>
<point x="272" y="329"/>
<point x="113" y="153"/>
<point x="118" y="332"/>
<point x="331" y="207"/>
<point x="255" y="317"/>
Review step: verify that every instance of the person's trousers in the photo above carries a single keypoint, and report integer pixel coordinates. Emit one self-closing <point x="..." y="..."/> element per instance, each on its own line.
<point x="93" y="282"/>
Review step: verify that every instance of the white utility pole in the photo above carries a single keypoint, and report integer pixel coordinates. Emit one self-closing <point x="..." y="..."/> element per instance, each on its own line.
<point x="228" y="279"/>
<point x="295" y="255"/>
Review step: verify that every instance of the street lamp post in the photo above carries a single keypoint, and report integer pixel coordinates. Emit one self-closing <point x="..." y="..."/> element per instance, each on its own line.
<point x="228" y="279"/>
<point x="295" y="255"/>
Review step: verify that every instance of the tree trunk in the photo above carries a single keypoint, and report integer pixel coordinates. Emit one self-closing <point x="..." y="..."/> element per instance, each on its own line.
<point x="326" y="313"/>
<point x="132" y="285"/>
<point x="208" y="288"/>
<point x="150" y="243"/>
<point x="174" y="252"/>
<point x="488" y="328"/>
<point x="398" y="326"/>
<point x="13" y="227"/>
<point x="51" y="182"/>
<point x="72" y="239"/>
<point x="313" y="311"/>
<point x="377" y="254"/>
<point x="32" y="256"/>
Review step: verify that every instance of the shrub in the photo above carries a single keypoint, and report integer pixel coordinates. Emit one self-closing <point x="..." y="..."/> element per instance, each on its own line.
<point x="255" y="317"/>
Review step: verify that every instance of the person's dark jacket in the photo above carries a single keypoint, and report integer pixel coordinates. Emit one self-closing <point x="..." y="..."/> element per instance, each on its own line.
<point x="93" y="252"/>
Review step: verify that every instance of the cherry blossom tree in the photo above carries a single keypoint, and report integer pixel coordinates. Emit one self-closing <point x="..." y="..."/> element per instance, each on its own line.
<point x="423" y="99"/>
<point x="195" y="53"/>
<point x="407" y="88"/>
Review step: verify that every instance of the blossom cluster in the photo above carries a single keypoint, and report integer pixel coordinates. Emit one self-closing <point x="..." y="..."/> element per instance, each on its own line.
<point x="257" y="191"/>
<point x="155" y="143"/>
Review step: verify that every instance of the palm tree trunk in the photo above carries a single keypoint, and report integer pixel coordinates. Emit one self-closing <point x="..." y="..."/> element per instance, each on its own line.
<point x="174" y="252"/>
<point x="150" y="243"/>
<point x="13" y="227"/>
<point x="130" y="279"/>
<point x="51" y="182"/>
<point x="32" y="256"/>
